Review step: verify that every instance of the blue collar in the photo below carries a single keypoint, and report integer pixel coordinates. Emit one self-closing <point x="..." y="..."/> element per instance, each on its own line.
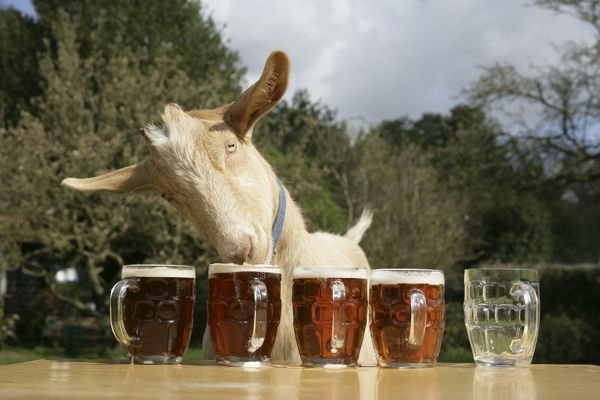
<point x="279" y="218"/>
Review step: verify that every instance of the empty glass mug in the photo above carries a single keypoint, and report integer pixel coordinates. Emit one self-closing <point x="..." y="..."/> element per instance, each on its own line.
<point x="407" y="316"/>
<point x="330" y="314"/>
<point x="502" y="315"/>
<point x="151" y="311"/>
<point x="244" y="309"/>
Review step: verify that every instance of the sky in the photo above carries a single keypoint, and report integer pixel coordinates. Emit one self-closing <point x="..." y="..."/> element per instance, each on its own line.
<point x="383" y="59"/>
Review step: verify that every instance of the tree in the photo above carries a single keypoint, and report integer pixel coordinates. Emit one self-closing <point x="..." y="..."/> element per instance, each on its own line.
<point x="555" y="116"/>
<point x="506" y="221"/>
<point x="149" y="28"/>
<point x="575" y="227"/>
<point x="418" y="220"/>
<point x="20" y="39"/>
<point x="502" y="218"/>
<point x="86" y="122"/>
<point x="564" y="100"/>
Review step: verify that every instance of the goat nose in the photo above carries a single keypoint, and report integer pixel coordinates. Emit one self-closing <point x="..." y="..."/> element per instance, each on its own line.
<point x="245" y="252"/>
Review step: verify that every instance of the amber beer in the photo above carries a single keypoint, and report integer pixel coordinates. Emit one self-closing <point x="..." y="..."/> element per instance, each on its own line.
<point x="407" y="316"/>
<point x="244" y="309"/>
<point x="330" y="314"/>
<point x="152" y="311"/>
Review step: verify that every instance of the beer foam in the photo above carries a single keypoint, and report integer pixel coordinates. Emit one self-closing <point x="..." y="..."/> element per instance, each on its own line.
<point x="229" y="268"/>
<point x="331" y="272"/>
<point x="411" y="276"/>
<point x="158" y="271"/>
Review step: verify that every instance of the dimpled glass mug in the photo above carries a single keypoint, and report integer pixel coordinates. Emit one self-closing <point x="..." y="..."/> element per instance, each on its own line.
<point x="330" y="314"/>
<point x="407" y="316"/>
<point x="151" y="311"/>
<point x="502" y="315"/>
<point x="244" y="309"/>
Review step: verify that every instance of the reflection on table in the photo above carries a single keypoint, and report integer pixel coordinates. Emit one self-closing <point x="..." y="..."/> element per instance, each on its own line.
<point x="72" y="380"/>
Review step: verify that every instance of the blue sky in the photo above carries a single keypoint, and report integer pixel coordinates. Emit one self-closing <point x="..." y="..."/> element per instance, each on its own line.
<point x="388" y="58"/>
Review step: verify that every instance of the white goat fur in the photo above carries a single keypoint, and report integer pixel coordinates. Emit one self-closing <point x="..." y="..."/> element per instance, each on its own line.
<point x="204" y="163"/>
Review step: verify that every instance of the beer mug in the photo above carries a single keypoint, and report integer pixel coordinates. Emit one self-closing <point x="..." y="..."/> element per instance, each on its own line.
<point x="244" y="309"/>
<point x="330" y="314"/>
<point x="407" y="316"/>
<point x="502" y="315"/>
<point x="151" y="311"/>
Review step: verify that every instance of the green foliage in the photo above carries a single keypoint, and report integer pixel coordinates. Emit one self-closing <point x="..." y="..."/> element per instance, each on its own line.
<point x="19" y="354"/>
<point x="566" y="340"/>
<point x="506" y="221"/>
<point x="575" y="227"/>
<point x="85" y="123"/>
<point x="153" y="29"/>
<point x="20" y="39"/>
<point x="455" y="345"/>
<point x="418" y="220"/>
<point x="503" y="219"/>
<point x="8" y="328"/>
<point x="570" y="325"/>
<point x="308" y="149"/>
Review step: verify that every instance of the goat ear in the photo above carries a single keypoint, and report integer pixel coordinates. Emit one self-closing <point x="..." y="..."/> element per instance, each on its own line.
<point x="129" y="179"/>
<point x="154" y="135"/>
<point x="261" y="97"/>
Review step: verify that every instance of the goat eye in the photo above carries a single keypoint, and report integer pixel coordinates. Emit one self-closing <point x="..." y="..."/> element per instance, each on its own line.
<point x="231" y="147"/>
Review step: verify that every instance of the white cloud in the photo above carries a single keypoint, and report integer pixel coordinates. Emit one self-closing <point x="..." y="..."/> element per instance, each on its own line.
<point x="385" y="59"/>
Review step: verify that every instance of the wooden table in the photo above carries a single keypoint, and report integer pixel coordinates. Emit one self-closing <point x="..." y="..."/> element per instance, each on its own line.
<point x="87" y="380"/>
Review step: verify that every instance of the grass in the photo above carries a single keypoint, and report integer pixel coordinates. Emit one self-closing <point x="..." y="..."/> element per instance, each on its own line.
<point x="194" y="353"/>
<point x="12" y="355"/>
<point x="17" y="355"/>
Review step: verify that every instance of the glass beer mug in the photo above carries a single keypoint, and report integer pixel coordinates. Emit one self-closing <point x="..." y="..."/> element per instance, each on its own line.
<point x="151" y="311"/>
<point x="330" y="314"/>
<point x="244" y="309"/>
<point x="502" y="315"/>
<point x="407" y="316"/>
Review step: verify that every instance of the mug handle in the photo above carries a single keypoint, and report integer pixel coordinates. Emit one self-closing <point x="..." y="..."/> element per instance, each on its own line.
<point x="117" y="324"/>
<point x="259" y="327"/>
<point x="338" y="329"/>
<point x="531" y="322"/>
<point x="418" y="318"/>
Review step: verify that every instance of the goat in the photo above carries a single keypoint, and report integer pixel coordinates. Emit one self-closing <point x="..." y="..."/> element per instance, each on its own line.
<point x="204" y="163"/>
